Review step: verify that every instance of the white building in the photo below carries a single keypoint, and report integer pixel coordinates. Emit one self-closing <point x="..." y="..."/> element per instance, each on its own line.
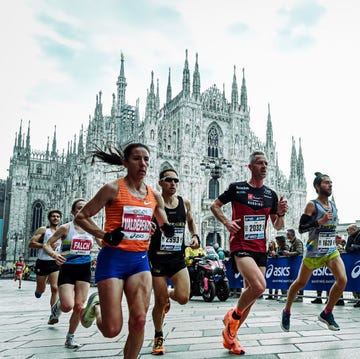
<point x="192" y="131"/>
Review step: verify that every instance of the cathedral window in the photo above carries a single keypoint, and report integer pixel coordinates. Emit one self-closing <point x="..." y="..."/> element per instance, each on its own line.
<point x="38" y="169"/>
<point x="213" y="142"/>
<point x="213" y="188"/>
<point x="37" y="214"/>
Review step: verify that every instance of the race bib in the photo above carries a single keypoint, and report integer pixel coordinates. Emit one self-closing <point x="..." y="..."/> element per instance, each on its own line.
<point x="81" y="246"/>
<point x="326" y="241"/>
<point x="254" y="227"/>
<point x="174" y="243"/>
<point x="136" y="222"/>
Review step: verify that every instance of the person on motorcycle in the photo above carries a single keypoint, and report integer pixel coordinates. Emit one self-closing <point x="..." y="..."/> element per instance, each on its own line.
<point x="194" y="250"/>
<point x="166" y="256"/>
<point x="253" y="204"/>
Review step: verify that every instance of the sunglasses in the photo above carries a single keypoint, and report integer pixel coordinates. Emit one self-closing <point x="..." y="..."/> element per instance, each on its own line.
<point x="169" y="179"/>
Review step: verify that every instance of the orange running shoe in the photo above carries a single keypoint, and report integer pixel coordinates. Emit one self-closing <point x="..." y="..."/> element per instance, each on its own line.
<point x="235" y="347"/>
<point x="158" y="346"/>
<point x="231" y="327"/>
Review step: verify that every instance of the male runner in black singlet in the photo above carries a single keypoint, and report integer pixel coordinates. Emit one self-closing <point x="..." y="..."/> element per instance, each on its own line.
<point x="167" y="256"/>
<point x="252" y="205"/>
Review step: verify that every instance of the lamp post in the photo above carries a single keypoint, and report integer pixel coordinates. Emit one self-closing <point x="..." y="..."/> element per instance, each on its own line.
<point x="216" y="167"/>
<point x="16" y="237"/>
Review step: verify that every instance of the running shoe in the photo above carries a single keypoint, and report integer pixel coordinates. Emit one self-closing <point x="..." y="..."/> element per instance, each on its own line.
<point x="231" y="327"/>
<point x="55" y="309"/>
<point x="329" y="320"/>
<point x="167" y="306"/>
<point x="234" y="348"/>
<point x="357" y="304"/>
<point x="317" y="301"/>
<point x="53" y="320"/>
<point x="158" y="346"/>
<point x="70" y="343"/>
<point x="88" y="313"/>
<point x="37" y="294"/>
<point x="285" y="321"/>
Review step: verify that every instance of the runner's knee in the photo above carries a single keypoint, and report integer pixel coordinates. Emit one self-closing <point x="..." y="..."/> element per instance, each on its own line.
<point x="182" y="298"/>
<point x="137" y="323"/>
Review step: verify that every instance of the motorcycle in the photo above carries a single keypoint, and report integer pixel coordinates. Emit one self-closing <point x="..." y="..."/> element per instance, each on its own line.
<point x="208" y="277"/>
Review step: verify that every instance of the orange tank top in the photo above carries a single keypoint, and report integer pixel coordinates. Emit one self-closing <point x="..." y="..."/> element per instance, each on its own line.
<point x="134" y="215"/>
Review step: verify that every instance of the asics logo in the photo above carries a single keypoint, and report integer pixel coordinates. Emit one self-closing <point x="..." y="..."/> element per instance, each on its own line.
<point x="355" y="273"/>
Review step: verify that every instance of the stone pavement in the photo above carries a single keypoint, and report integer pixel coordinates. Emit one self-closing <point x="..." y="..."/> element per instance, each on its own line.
<point x="191" y="331"/>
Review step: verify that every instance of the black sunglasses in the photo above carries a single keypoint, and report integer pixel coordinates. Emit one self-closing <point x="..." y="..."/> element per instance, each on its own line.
<point x="169" y="179"/>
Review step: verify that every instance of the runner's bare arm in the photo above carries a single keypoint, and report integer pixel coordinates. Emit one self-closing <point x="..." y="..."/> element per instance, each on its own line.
<point x="159" y="212"/>
<point x="189" y="218"/>
<point x="102" y="199"/>
<point x="60" y="233"/>
<point x="37" y="237"/>
<point x="232" y="226"/>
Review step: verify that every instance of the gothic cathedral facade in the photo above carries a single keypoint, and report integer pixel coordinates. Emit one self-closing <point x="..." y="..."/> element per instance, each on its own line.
<point x="203" y="135"/>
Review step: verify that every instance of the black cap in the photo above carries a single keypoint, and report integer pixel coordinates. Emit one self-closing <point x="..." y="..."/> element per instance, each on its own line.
<point x="280" y="238"/>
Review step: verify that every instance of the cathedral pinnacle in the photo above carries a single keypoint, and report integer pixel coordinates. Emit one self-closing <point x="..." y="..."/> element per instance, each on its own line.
<point x="186" y="77"/>
<point x="234" y="92"/>
<point x="243" y="97"/>
<point x="196" y="80"/>
<point x="168" y="90"/>
<point x="121" y="86"/>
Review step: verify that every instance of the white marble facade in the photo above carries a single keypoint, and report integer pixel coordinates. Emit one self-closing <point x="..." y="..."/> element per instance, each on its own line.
<point x="193" y="127"/>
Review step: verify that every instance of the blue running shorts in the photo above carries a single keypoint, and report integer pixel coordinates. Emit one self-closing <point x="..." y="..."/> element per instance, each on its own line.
<point x="117" y="263"/>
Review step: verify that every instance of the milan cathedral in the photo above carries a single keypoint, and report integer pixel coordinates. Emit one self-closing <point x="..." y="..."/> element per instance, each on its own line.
<point x="204" y="135"/>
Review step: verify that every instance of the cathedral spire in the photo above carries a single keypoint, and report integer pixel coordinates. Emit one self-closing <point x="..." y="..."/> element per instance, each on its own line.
<point x="53" y="151"/>
<point x="150" y="110"/>
<point x="243" y="97"/>
<point x="47" y="148"/>
<point x="293" y="164"/>
<point x="19" y="141"/>
<point x="81" y="141"/>
<point x="300" y="163"/>
<point x="196" y="80"/>
<point x="74" y="148"/>
<point x="113" y="106"/>
<point x="234" y="92"/>
<point x="157" y="96"/>
<point x="269" y="130"/>
<point x="186" y="77"/>
<point x="152" y="92"/>
<point x="121" y="86"/>
<point x="168" y="90"/>
<point x="28" y="139"/>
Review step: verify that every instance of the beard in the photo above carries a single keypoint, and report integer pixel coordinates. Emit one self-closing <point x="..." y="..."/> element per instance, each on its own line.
<point x="323" y="192"/>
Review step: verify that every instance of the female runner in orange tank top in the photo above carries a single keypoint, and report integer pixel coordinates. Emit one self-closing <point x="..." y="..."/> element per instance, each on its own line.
<point x="122" y="263"/>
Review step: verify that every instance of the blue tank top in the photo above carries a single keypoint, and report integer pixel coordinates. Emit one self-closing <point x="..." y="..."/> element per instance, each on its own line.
<point x="321" y="240"/>
<point x="76" y="246"/>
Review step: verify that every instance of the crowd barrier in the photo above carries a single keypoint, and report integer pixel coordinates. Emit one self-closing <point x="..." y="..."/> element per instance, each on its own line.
<point x="282" y="271"/>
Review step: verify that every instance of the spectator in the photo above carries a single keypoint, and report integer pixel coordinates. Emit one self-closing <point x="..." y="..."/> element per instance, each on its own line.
<point x="296" y="249"/>
<point x="194" y="250"/>
<point x="272" y="249"/>
<point x="282" y="247"/>
<point x="220" y="252"/>
<point x="353" y="246"/>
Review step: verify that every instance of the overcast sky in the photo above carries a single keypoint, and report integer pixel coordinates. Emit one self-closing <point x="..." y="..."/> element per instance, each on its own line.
<point x="302" y="57"/>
